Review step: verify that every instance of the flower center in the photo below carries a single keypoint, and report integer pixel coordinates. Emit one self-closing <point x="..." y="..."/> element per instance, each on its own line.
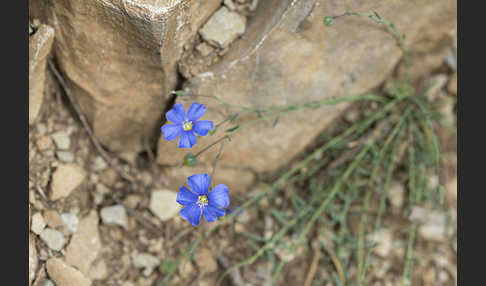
<point x="187" y="125"/>
<point x="202" y="201"/>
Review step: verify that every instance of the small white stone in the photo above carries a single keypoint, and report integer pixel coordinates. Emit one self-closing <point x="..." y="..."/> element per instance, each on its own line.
<point x="65" y="156"/>
<point x="163" y="204"/>
<point x="146" y="261"/>
<point x="70" y="221"/>
<point x="396" y="195"/>
<point x="53" y="238"/>
<point x="114" y="215"/>
<point x="61" y="139"/>
<point x="223" y="28"/>
<point x="435" y="227"/>
<point x="49" y="283"/>
<point x="99" y="164"/>
<point x="384" y="240"/>
<point x="38" y="223"/>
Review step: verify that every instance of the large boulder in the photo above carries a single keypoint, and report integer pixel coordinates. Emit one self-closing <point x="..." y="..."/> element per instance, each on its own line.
<point x="40" y="44"/>
<point x="287" y="56"/>
<point x="119" y="58"/>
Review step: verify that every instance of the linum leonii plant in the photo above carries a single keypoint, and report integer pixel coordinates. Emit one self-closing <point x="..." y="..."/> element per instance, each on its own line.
<point x="198" y="200"/>
<point x="407" y="117"/>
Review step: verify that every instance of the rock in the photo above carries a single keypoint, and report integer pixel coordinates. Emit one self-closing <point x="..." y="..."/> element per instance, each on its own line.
<point x="435" y="227"/>
<point x="38" y="223"/>
<point x="131" y="201"/>
<point x="186" y="270"/>
<point x="64" y="275"/>
<point x="287" y="250"/>
<point x="125" y="63"/>
<point x="278" y="63"/>
<point x="452" y="85"/>
<point x="204" y="49"/>
<point x="114" y="215"/>
<point x="99" y="164"/>
<point x="163" y="204"/>
<point x="396" y="195"/>
<point x="61" y="139"/>
<point x="433" y="182"/>
<point x="85" y="244"/>
<point x="70" y="221"/>
<point x="145" y="261"/>
<point x="98" y="271"/>
<point x="223" y="28"/>
<point x="230" y="4"/>
<point x="53" y="238"/>
<point x="65" y="156"/>
<point x="49" y="283"/>
<point x="157" y="246"/>
<point x="206" y="261"/>
<point x="384" y="240"/>
<point x="40" y="45"/>
<point x="434" y="85"/>
<point x="418" y="215"/>
<point x="32" y="259"/>
<point x="43" y="143"/>
<point x="451" y="191"/>
<point x="65" y="179"/>
<point x="53" y="219"/>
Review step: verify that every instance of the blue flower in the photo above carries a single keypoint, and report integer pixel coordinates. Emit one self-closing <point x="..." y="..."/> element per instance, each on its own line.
<point x="185" y="125"/>
<point x="198" y="201"/>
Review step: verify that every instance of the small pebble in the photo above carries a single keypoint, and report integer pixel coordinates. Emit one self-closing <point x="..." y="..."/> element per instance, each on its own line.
<point x="38" y="223"/>
<point x="65" y="156"/>
<point x="70" y="221"/>
<point x="61" y="139"/>
<point x="114" y="215"/>
<point x="53" y="238"/>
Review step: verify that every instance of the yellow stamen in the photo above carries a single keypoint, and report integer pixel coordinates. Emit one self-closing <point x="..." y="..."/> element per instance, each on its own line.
<point x="202" y="201"/>
<point x="187" y="125"/>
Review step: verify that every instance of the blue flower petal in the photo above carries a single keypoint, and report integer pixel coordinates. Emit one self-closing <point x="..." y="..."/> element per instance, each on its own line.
<point x="177" y="114"/>
<point x="196" y="110"/>
<point x="171" y="131"/>
<point x="192" y="213"/>
<point x="199" y="183"/>
<point x="218" y="197"/>
<point x="202" y="127"/>
<point x="211" y="213"/>
<point x="188" y="139"/>
<point x="186" y="197"/>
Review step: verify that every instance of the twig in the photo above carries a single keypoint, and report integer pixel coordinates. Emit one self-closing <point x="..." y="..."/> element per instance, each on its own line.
<point x="234" y="274"/>
<point x="216" y="159"/>
<point x="86" y="126"/>
<point x="313" y="268"/>
<point x="337" y="264"/>
<point x="39" y="189"/>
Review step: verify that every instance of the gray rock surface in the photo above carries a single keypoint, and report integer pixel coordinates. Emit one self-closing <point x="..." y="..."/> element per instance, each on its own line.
<point x="287" y="56"/>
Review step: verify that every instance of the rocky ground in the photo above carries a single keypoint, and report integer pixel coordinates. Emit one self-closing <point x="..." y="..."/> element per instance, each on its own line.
<point x="91" y="226"/>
